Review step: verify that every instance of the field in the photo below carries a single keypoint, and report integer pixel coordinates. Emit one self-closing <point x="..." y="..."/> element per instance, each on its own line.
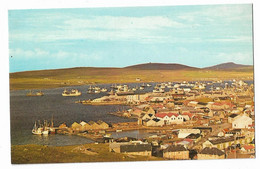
<point x="25" y="154"/>
<point x="81" y="76"/>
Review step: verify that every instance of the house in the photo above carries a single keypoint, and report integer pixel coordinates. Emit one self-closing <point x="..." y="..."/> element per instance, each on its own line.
<point x="183" y="133"/>
<point x="148" y="116"/>
<point x="132" y="148"/>
<point x="210" y="153"/>
<point x="137" y="149"/>
<point x="84" y="126"/>
<point x="176" y="152"/>
<point x="164" y="117"/>
<point x="246" y="149"/>
<point x="187" y="116"/>
<point x="153" y="122"/>
<point x="93" y="125"/>
<point x="221" y="105"/>
<point x="220" y="143"/>
<point x="75" y="126"/>
<point x="63" y="125"/>
<point x="192" y="104"/>
<point x="194" y="137"/>
<point x="224" y="142"/>
<point x="186" y="142"/>
<point x="102" y="124"/>
<point x="242" y="121"/>
<point x="232" y="117"/>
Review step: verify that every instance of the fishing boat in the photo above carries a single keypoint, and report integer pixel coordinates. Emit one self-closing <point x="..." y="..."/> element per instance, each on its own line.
<point x="103" y="90"/>
<point x="37" y="130"/>
<point x="30" y="93"/>
<point x="141" y="88"/>
<point x="73" y="92"/>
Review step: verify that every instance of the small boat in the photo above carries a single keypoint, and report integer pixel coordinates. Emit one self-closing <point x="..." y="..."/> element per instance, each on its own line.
<point x="103" y="90"/>
<point x="40" y="93"/>
<point x="148" y="85"/>
<point x="37" y="130"/>
<point x="119" y="131"/>
<point x="73" y="92"/>
<point x="141" y="88"/>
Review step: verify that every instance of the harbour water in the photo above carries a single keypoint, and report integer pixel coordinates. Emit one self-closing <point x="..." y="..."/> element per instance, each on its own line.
<point x="24" y="111"/>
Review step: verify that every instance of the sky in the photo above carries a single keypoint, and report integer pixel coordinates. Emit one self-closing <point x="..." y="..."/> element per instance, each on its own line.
<point x="198" y="36"/>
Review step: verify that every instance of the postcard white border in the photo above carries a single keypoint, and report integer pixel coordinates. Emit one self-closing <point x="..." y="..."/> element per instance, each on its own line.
<point x="43" y="4"/>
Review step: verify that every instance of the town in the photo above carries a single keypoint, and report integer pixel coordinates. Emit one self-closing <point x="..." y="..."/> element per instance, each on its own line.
<point x="186" y="121"/>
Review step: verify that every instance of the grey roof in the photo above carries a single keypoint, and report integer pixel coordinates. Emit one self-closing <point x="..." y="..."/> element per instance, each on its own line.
<point x="174" y="148"/>
<point x="135" y="148"/>
<point x="193" y="136"/>
<point x="233" y="115"/>
<point x="212" y="151"/>
<point x="222" y="140"/>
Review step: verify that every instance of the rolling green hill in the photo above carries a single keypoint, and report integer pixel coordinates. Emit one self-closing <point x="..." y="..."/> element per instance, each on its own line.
<point x="88" y="75"/>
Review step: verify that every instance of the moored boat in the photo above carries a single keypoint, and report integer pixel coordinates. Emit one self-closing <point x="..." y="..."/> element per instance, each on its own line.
<point x="30" y="93"/>
<point x="73" y="92"/>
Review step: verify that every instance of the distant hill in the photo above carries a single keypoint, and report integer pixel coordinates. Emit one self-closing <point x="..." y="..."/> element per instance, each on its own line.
<point x="228" y="66"/>
<point x="161" y="66"/>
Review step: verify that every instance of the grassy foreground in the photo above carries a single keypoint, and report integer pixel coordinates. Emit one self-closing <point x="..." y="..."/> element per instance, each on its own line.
<point x="27" y="154"/>
<point x="81" y="76"/>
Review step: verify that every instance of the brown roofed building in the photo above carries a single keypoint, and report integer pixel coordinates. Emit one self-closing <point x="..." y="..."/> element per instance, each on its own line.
<point x="102" y="124"/>
<point x="176" y="152"/>
<point x="211" y="153"/>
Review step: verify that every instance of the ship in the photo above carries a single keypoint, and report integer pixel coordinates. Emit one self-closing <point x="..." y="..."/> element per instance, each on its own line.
<point x="37" y="130"/>
<point x="40" y="93"/>
<point x="40" y="130"/>
<point x="73" y="92"/>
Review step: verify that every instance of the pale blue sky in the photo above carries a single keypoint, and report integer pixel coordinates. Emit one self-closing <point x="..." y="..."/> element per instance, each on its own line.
<point x="197" y="36"/>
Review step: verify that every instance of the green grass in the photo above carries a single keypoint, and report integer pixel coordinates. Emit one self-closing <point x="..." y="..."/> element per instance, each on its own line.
<point x="81" y="76"/>
<point x="27" y="154"/>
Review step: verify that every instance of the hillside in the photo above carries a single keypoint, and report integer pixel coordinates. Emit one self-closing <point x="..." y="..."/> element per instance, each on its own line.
<point x="161" y="66"/>
<point x="43" y="79"/>
<point x="228" y="66"/>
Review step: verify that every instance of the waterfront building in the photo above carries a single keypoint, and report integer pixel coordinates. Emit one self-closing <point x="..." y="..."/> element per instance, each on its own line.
<point x="132" y="148"/>
<point x="210" y="153"/>
<point x="176" y="152"/>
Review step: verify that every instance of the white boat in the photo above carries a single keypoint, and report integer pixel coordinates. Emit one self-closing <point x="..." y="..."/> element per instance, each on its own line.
<point x="148" y="85"/>
<point x="158" y="90"/>
<point x="73" y="92"/>
<point x="141" y="88"/>
<point x="36" y="130"/>
<point x="45" y="132"/>
<point x="103" y="90"/>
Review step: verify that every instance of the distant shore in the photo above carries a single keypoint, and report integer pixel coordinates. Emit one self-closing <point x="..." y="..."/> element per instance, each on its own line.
<point x="47" y="79"/>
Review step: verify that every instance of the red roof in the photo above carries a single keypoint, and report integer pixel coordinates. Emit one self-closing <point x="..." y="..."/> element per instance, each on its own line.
<point x="223" y="103"/>
<point x="161" y="115"/>
<point x="172" y="114"/>
<point x="188" y="139"/>
<point x="187" y="113"/>
<point x="248" y="147"/>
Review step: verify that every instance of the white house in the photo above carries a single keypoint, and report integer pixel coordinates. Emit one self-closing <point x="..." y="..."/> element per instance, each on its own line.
<point x="183" y="133"/>
<point x="242" y="121"/>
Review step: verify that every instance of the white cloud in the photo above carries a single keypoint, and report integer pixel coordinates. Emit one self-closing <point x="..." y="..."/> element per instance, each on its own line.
<point x="106" y="28"/>
<point x="122" y="22"/>
<point x="238" y="57"/>
<point x="28" y="53"/>
<point x="39" y="53"/>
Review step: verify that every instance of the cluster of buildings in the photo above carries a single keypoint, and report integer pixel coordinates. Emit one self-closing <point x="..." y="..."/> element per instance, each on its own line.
<point x="84" y="126"/>
<point x="192" y="122"/>
<point x="209" y="124"/>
